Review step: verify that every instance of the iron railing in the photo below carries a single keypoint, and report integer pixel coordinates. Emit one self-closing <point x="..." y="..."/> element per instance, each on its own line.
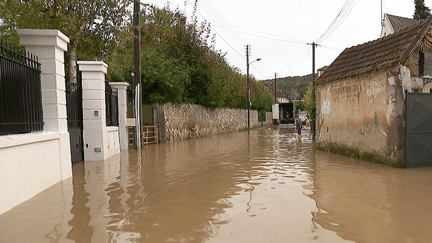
<point x="74" y="103"/>
<point x="111" y="104"/>
<point x="20" y="92"/>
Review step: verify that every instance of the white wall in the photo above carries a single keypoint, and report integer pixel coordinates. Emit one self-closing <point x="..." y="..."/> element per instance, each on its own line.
<point x="30" y="163"/>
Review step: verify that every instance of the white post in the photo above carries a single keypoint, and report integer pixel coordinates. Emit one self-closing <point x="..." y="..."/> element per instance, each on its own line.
<point x="49" y="46"/>
<point x="122" y="112"/>
<point x="94" y="116"/>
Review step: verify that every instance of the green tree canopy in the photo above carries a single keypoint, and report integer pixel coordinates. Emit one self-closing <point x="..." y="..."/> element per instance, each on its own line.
<point x="179" y="64"/>
<point x="309" y="103"/>
<point x="421" y="11"/>
<point x="92" y="25"/>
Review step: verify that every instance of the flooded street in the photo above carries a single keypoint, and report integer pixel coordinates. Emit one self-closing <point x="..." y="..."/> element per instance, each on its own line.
<point x="268" y="186"/>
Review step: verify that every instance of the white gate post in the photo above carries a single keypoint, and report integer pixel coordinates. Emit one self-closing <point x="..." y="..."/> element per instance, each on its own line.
<point x="94" y="116"/>
<point x="122" y="112"/>
<point x="49" y="46"/>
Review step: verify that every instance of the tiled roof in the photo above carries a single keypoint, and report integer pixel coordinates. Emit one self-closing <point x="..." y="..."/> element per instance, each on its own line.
<point x="399" y="23"/>
<point x="381" y="53"/>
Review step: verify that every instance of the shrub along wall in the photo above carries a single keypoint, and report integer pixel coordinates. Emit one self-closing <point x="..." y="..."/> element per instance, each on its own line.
<point x="192" y="121"/>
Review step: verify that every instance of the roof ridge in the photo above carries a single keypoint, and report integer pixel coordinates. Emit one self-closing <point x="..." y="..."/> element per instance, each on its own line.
<point x="376" y="54"/>
<point x="400" y="17"/>
<point x="400" y="32"/>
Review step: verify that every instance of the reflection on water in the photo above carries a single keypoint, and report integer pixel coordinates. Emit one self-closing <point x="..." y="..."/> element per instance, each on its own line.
<point x="268" y="186"/>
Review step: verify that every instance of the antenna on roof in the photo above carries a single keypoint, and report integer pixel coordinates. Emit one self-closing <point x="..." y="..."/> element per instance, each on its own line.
<point x="382" y="17"/>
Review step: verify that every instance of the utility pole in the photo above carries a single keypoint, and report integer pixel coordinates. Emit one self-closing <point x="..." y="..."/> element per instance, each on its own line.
<point x="248" y="81"/>
<point x="248" y="84"/>
<point x="275" y="88"/>
<point x="137" y="73"/>
<point x="313" y="84"/>
<point x="313" y="62"/>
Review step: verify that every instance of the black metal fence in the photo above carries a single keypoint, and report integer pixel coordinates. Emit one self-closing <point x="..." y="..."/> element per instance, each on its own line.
<point x="74" y="103"/>
<point x="111" y="104"/>
<point x="20" y="92"/>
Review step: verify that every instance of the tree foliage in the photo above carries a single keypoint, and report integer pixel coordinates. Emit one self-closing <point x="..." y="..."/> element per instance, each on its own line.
<point x="421" y="10"/>
<point x="179" y="64"/>
<point x="293" y="87"/>
<point x="309" y="102"/>
<point x="92" y="25"/>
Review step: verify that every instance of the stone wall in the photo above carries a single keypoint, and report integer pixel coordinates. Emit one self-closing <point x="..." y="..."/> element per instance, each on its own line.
<point x="191" y="121"/>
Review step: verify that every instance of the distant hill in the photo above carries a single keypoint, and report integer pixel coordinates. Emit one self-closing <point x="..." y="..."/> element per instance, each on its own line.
<point x="292" y="86"/>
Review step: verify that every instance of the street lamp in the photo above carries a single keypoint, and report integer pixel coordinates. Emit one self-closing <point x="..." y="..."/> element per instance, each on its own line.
<point x="248" y="85"/>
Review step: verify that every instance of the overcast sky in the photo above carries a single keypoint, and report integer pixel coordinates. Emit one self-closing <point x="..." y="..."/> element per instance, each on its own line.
<point x="279" y="31"/>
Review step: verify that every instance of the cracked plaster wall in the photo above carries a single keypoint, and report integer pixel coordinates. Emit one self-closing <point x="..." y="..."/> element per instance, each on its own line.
<point x="365" y="111"/>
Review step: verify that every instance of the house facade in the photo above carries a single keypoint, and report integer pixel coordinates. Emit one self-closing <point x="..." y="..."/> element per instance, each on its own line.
<point x="361" y="95"/>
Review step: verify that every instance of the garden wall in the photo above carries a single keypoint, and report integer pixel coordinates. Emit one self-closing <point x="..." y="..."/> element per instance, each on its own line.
<point x="191" y="121"/>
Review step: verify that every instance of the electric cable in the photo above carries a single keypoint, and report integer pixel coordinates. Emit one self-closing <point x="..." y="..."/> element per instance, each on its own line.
<point x="234" y="49"/>
<point x="340" y="18"/>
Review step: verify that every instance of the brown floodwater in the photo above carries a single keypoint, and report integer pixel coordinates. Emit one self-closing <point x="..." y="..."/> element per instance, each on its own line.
<point x="268" y="186"/>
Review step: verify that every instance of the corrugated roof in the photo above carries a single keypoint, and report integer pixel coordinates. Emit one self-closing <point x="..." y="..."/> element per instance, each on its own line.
<point x="377" y="54"/>
<point x="399" y="23"/>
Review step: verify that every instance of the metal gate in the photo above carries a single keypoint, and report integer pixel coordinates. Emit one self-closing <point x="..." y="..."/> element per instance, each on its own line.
<point x="418" y="130"/>
<point x="75" y="119"/>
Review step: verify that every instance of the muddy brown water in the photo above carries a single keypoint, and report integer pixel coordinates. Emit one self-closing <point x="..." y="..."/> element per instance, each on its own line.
<point x="268" y="186"/>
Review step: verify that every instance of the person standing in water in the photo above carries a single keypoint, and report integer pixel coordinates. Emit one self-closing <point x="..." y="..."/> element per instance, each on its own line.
<point x="298" y="124"/>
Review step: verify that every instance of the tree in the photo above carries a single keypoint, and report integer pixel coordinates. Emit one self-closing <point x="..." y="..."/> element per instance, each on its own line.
<point x="308" y="104"/>
<point x="180" y="65"/>
<point x="93" y="23"/>
<point x="421" y="11"/>
<point x="164" y="78"/>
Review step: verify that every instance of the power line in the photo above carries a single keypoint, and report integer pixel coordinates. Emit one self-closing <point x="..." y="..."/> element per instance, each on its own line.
<point x="211" y="13"/>
<point x="283" y="38"/>
<point x="340" y="18"/>
<point x="216" y="16"/>
<point x="257" y="70"/>
<point x="331" y="48"/>
<point x="234" y="49"/>
<point x="273" y="38"/>
<point x="224" y="22"/>
<point x="230" y="32"/>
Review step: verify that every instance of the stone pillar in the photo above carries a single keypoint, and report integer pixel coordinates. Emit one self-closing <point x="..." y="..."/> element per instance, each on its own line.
<point x="122" y="112"/>
<point x="49" y="46"/>
<point x="94" y="116"/>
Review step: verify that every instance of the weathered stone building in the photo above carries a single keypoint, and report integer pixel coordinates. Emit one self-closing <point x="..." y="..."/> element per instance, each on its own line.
<point x="361" y="99"/>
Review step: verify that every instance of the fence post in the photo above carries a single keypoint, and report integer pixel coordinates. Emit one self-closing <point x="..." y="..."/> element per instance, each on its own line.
<point x="122" y="112"/>
<point x="49" y="46"/>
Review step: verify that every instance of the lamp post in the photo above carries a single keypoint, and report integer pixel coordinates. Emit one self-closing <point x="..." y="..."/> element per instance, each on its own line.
<point x="248" y="82"/>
